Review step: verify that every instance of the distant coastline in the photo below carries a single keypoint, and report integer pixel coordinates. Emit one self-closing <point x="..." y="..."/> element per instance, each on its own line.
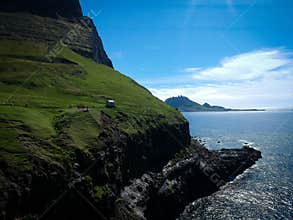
<point x="184" y="104"/>
<point x="229" y="110"/>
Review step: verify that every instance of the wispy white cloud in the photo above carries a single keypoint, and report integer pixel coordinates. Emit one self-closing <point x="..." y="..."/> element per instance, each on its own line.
<point x="159" y="81"/>
<point x="191" y="69"/>
<point x="248" y="66"/>
<point x="262" y="78"/>
<point x="264" y="93"/>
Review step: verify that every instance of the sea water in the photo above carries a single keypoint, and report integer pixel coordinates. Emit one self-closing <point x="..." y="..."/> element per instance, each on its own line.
<point x="264" y="191"/>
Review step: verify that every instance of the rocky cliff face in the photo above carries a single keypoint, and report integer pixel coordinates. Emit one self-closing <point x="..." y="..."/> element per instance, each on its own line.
<point x="147" y="150"/>
<point x="98" y="175"/>
<point x="47" y="8"/>
<point x="195" y="173"/>
<point x="71" y="29"/>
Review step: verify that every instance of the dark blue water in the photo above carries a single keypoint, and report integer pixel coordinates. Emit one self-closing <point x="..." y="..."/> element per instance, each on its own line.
<point x="265" y="191"/>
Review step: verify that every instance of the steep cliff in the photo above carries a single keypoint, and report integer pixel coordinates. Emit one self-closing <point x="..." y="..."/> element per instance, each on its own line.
<point x="61" y="147"/>
<point x="194" y="173"/>
<point x="71" y="29"/>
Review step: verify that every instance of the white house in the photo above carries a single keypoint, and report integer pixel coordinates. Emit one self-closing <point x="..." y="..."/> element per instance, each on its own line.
<point x="110" y="103"/>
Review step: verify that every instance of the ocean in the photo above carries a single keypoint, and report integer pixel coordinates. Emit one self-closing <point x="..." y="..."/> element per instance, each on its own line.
<point x="264" y="191"/>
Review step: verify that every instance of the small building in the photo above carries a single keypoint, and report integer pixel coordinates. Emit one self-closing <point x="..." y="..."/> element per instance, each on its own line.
<point x="110" y="104"/>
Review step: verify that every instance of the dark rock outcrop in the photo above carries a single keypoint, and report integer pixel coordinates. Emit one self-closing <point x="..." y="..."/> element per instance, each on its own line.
<point x="164" y="195"/>
<point x="131" y="156"/>
<point x="124" y="157"/>
<point x="47" y="8"/>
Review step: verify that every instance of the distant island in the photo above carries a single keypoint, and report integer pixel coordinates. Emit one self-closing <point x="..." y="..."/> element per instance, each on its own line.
<point x="184" y="104"/>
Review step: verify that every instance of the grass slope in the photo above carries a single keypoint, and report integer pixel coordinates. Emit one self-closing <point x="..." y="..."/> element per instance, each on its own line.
<point x="38" y="112"/>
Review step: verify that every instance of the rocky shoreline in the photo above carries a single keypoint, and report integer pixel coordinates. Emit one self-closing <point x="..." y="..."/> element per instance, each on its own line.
<point x="198" y="173"/>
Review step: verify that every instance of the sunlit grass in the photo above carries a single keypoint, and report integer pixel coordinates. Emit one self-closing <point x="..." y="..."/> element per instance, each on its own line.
<point x="39" y="103"/>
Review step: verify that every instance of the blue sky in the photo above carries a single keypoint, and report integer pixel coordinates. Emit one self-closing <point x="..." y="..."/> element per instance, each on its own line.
<point x="235" y="53"/>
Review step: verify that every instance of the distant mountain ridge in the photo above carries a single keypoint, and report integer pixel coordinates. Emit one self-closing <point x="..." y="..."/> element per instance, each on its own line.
<point x="184" y="104"/>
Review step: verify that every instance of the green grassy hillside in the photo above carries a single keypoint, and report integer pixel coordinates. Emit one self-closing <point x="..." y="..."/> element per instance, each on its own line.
<point x="39" y="115"/>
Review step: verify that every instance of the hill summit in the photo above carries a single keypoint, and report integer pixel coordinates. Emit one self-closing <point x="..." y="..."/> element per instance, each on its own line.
<point x="184" y="104"/>
<point x="55" y="23"/>
<point x="47" y="8"/>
